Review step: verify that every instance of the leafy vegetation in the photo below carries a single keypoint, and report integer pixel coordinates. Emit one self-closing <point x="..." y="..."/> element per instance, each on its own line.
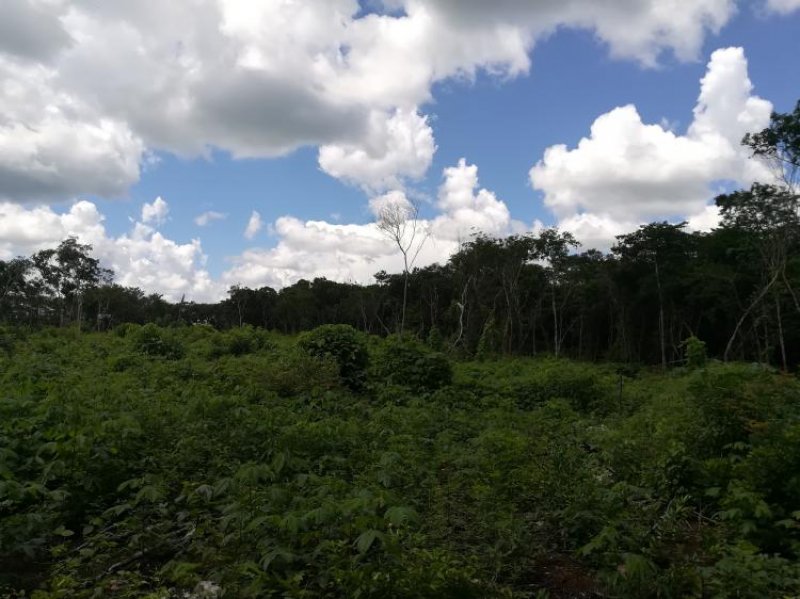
<point x="247" y="465"/>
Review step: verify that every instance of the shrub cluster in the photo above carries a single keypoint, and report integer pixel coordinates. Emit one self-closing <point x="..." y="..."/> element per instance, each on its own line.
<point x="345" y="346"/>
<point x="405" y="362"/>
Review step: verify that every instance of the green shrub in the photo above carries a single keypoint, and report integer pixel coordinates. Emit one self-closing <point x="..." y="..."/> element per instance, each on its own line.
<point x="126" y="329"/>
<point x="293" y="374"/>
<point x="694" y="352"/>
<point x="240" y="341"/>
<point x="489" y="343"/>
<point x="152" y="340"/>
<point x="435" y="339"/>
<point x="530" y="383"/>
<point x="8" y="338"/>
<point x="737" y="400"/>
<point x="406" y="362"/>
<point x="344" y="345"/>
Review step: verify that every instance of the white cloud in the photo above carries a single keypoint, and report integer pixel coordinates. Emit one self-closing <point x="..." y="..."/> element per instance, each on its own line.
<point x="156" y="212"/>
<point x="628" y="172"/>
<point x="389" y="199"/>
<point x="32" y="30"/>
<point x="142" y="257"/>
<point x="783" y="6"/>
<point x="640" y="30"/>
<point x="396" y="148"/>
<point x="254" y="225"/>
<point x="596" y="231"/>
<point x="355" y="252"/>
<point x="206" y="218"/>
<point x="89" y="87"/>
<point x="705" y="220"/>
<point x="53" y="144"/>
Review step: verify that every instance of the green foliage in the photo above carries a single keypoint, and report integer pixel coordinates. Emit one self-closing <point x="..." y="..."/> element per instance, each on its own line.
<point x="694" y="352"/>
<point x="258" y="474"/>
<point x="405" y="362"/>
<point x="152" y="340"/>
<point x="126" y="329"/>
<point x="8" y="339"/>
<point x="240" y="341"/>
<point x="489" y="342"/>
<point x="435" y="339"/>
<point x="344" y="345"/>
<point x="530" y="383"/>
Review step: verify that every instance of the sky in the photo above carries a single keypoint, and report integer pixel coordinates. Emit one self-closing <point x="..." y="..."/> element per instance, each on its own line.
<point x="200" y="144"/>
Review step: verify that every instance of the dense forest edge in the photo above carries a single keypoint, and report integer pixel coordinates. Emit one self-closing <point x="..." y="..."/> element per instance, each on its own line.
<point x="526" y="420"/>
<point x="736" y="287"/>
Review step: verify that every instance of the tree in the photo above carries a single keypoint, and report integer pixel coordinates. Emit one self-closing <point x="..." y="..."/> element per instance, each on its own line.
<point x="660" y="247"/>
<point x="770" y="216"/>
<point x="399" y="221"/>
<point x="13" y="282"/>
<point x="238" y="296"/>
<point x="66" y="272"/>
<point x="553" y="247"/>
<point x="779" y="146"/>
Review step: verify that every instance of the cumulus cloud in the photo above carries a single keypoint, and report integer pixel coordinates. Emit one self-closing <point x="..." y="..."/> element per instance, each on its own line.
<point x="705" y="220"/>
<point x="54" y="144"/>
<point x="254" y="225"/>
<point x="626" y="172"/>
<point x="89" y="88"/>
<point x="206" y="218"/>
<point x="638" y="30"/>
<point x="156" y="212"/>
<point x="783" y="6"/>
<point x="355" y="252"/>
<point x="32" y="30"/>
<point x="142" y="257"/>
<point x="396" y="148"/>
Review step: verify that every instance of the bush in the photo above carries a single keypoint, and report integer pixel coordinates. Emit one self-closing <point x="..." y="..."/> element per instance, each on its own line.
<point x="489" y="342"/>
<point x="344" y="345"/>
<point x="8" y="339"/>
<point x="295" y="372"/>
<point x="405" y="362"/>
<point x="531" y="383"/>
<point x="736" y="400"/>
<point x="126" y="329"/>
<point x="694" y="352"/>
<point x="240" y="341"/>
<point x="151" y="340"/>
<point x="435" y="339"/>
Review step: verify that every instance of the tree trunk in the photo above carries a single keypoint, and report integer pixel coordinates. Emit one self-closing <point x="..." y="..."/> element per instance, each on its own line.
<point x="780" y="332"/>
<point x="405" y="298"/>
<point x="661" y="320"/>
<point x="746" y="313"/>
<point x="462" y="305"/>
<point x="555" y="321"/>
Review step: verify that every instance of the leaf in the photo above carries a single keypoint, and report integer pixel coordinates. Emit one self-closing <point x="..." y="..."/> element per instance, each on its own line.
<point x="205" y="491"/>
<point x="280" y="553"/>
<point x="366" y="539"/>
<point x="63" y="532"/>
<point x="149" y="493"/>
<point x="399" y="515"/>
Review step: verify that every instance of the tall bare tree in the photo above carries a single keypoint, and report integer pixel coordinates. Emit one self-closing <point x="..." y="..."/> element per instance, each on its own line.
<point x="399" y="221"/>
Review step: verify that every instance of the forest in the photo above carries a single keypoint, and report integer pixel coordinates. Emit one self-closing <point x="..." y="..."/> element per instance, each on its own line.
<point x="527" y="420"/>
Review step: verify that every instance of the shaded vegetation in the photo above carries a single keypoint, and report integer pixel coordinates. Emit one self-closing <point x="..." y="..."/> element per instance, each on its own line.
<point x="245" y="466"/>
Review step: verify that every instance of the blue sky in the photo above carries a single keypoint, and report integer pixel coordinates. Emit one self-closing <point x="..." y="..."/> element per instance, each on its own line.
<point x="501" y="123"/>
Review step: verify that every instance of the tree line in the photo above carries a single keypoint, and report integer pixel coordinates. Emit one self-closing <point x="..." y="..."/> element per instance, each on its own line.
<point x="736" y="287"/>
